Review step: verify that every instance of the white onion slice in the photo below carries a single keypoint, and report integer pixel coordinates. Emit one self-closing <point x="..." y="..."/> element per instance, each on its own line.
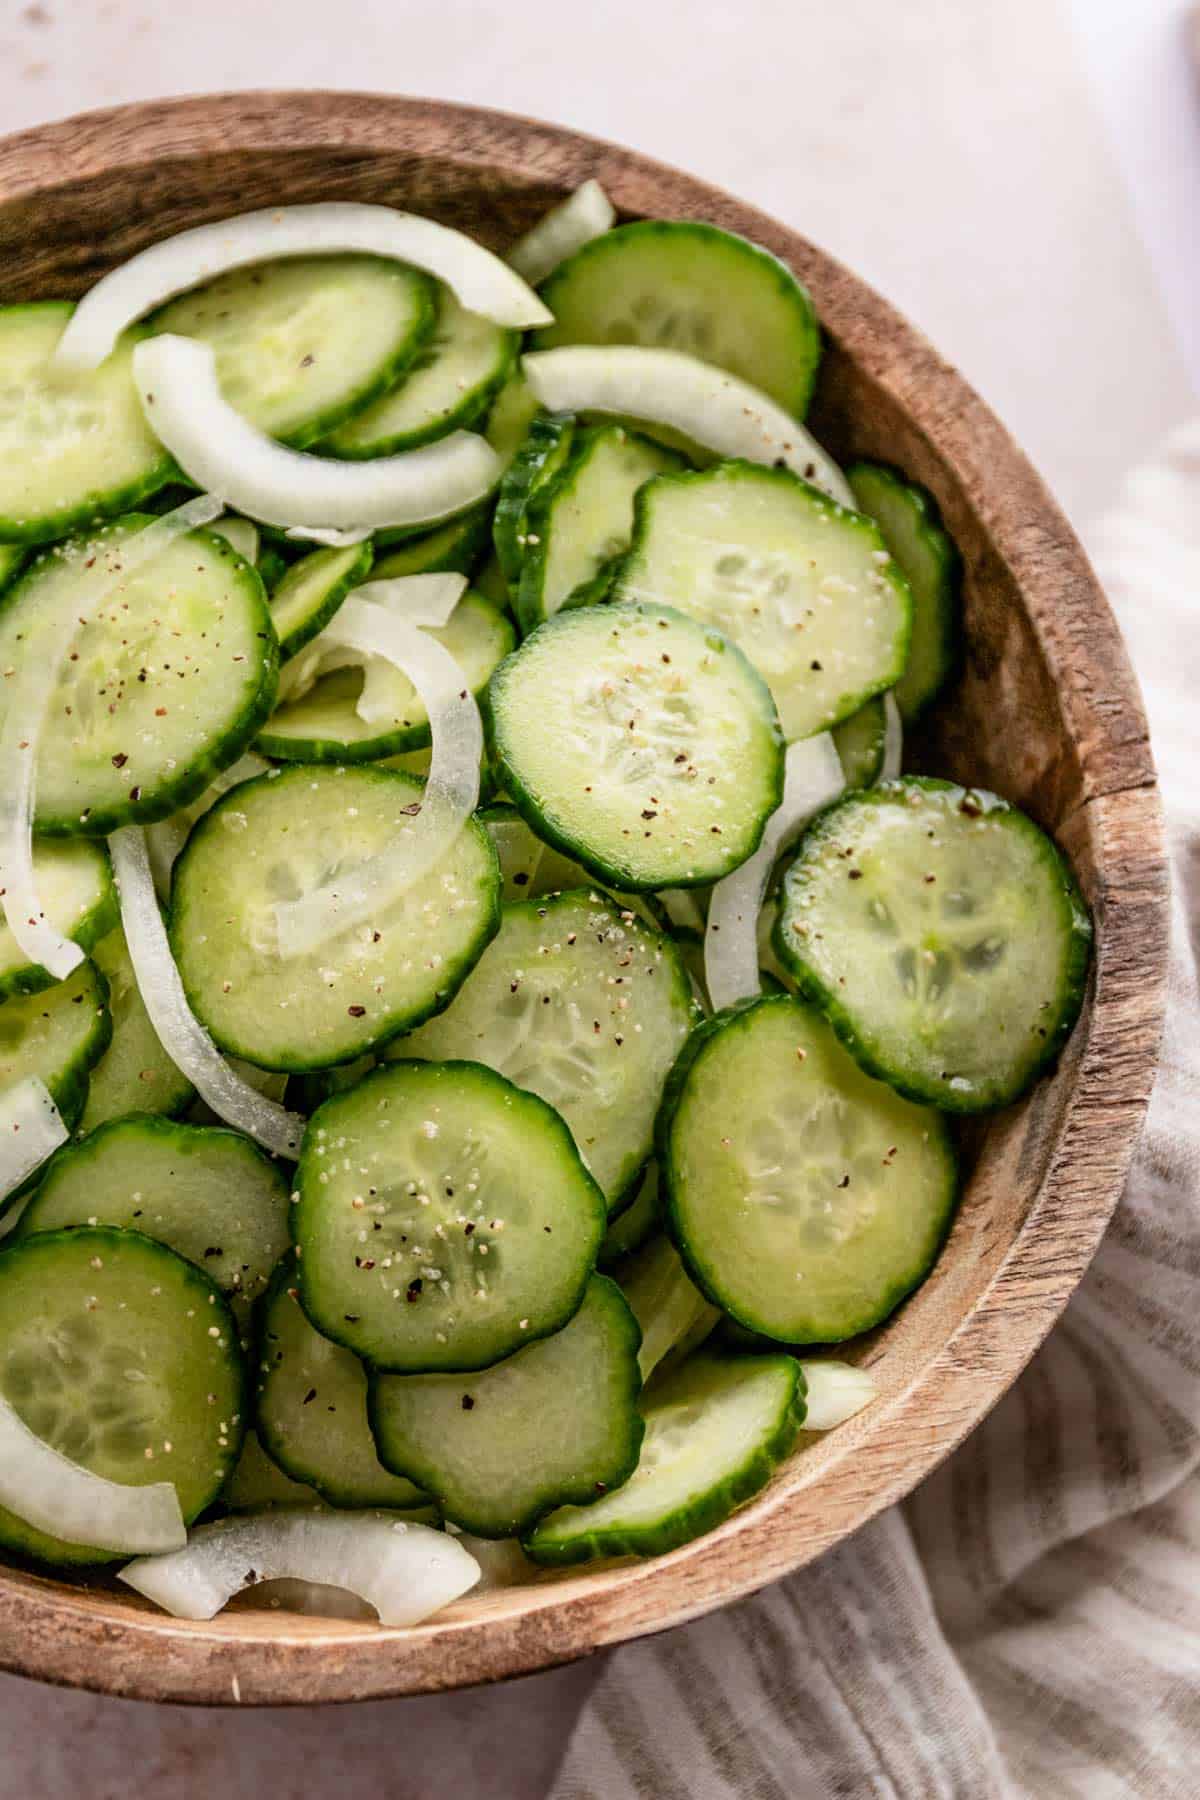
<point x="812" y="778"/>
<point x="451" y="789"/>
<point x="426" y="600"/>
<point x="893" y="738"/>
<point x="53" y="1494"/>
<point x="586" y="214"/>
<point x="27" y="696"/>
<point x="668" y="387"/>
<point x="180" y="1033"/>
<point x="480" y="281"/>
<point x="224" y="453"/>
<point x="30" y="1131"/>
<point x="330" y="538"/>
<point x="836" y="1391"/>
<point x="406" y="1572"/>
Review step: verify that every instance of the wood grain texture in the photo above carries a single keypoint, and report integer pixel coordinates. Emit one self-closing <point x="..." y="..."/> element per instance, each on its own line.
<point x="1047" y="711"/>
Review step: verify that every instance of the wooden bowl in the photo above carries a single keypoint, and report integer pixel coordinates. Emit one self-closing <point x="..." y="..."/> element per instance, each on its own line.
<point x="1047" y="711"/>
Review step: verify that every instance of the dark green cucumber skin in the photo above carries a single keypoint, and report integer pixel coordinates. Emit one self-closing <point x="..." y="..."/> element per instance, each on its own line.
<point x="189" y="783"/>
<point x="271" y="567"/>
<point x="470" y="534"/>
<point x="12" y="562"/>
<point x="102" y="504"/>
<point x="705" y="1513"/>
<point x="942" y="547"/>
<point x="609" y="244"/>
<point x="104" y="917"/>
<point x="452" y="978"/>
<point x="365" y="750"/>
<point x="526" y="1337"/>
<point x="1074" y="979"/>
<point x="13" y="1530"/>
<point x="618" y="1245"/>
<point x="672" y="1224"/>
<point x="545" y="440"/>
<point x="577" y="1492"/>
<point x="320" y="616"/>
<point x="69" y="1090"/>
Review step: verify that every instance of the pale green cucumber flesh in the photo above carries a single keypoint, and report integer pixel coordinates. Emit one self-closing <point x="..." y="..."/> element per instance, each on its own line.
<point x="310" y="591"/>
<point x="56" y="1036"/>
<point x="75" y="891"/>
<point x="453" y="548"/>
<point x="908" y="520"/>
<point x="859" y="742"/>
<point x="544" y="450"/>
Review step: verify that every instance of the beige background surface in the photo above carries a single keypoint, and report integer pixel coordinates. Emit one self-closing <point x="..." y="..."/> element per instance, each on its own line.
<point x="950" y="152"/>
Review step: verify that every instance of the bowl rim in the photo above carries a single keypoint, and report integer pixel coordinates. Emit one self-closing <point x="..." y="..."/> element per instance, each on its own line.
<point x="83" y="1637"/>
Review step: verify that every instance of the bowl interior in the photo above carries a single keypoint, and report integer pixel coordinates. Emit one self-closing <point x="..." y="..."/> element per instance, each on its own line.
<point x="1046" y="711"/>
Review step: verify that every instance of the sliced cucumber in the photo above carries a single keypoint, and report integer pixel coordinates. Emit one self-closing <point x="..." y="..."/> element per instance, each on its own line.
<point x="908" y="518"/>
<point x="511" y="414"/>
<point x="241" y="533"/>
<point x="73" y="448"/>
<point x="210" y="1195"/>
<point x="667" y="1304"/>
<point x="632" y="1227"/>
<point x="74" y="885"/>
<point x="530" y="869"/>
<point x="57" y="1035"/>
<point x="452" y="381"/>
<point x="960" y="955"/>
<point x="804" y="587"/>
<point x="445" y="1218"/>
<point x="281" y="836"/>
<point x="556" y="1422"/>
<point x="305" y="343"/>
<point x="454" y="548"/>
<point x="544" y="450"/>
<point x="859" y="742"/>
<point x="683" y="285"/>
<point x="272" y="566"/>
<point x="311" y="1407"/>
<point x="12" y="560"/>
<point x="578" y="522"/>
<point x="324" y="723"/>
<point x="311" y="590"/>
<point x="580" y="1003"/>
<point x="489" y="581"/>
<point x="716" y="1428"/>
<point x="143" y="716"/>
<point x="256" y="1482"/>
<point x="805" y="1199"/>
<point x="134" y="1074"/>
<point x="124" y="1357"/>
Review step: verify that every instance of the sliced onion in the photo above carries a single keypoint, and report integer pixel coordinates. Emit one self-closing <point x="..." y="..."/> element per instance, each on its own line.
<point x="836" y="1391"/>
<point x="426" y="600"/>
<point x="328" y="536"/>
<point x="479" y="280"/>
<point x="179" y="1032"/>
<point x="668" y="387"/>
<point x="451" y="789"/>
<point x="53" y="1494"/>
<point x="812" y="778"/>
<point x="586" y="214"/>
<point x="30" y="1131"/>
<point x="224" y="453"/>
<point x="893" y="738"/>
<point x="166" y="837"/>
<point x="27" y="696"/>
<point x="406" y="1572"/>
<point x="242" y="534"/>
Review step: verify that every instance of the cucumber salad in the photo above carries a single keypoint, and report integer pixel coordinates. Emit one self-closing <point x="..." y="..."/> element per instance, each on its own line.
<point x="484" y="1004"/>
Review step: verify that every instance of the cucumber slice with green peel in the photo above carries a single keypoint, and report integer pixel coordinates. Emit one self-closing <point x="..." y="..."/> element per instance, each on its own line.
<point x="281" y="836"/>
<point x="74" y="448"/>
<point x="256" y="1482"/>
<point x="452" y="380"/>
<point x="489" y="581"/>
<point x="12" y="560"/>
<point x="579" y="522"/>
<point x="142" y="717"/>
<point x="530" y="869"/>
<point x="308" y="342"/>
<point x="311" y="1407"/>
<point x="271" y="566"/>
<point x="665" y="1301"/>
<point x="309" y="1091"/>
<point x="683" y="285"/>
<point x="208" y="1194"/>
<point x="124" y="1357"/>
<point x="959" y="961"/>
<point x="511" y="414"/>
<point x="417" y="762"/>
<point x="631" y="1228"/>
<point x="57" y="1035"/>
<point x="556" y="1422"/>
<point x="74" y="886"/>
<point x="241" y="533"/>
<point x="311" y="590"/>
<point x="445" y="1218"/>
<point x="453" y="549"/>
<point x="541" y="456"/>
<point x="638" y="742"/>
<point x="908" y="519"/>
<point x="804" y="587"/>
<point x="579" y="1002"/>
<point x="859" y="742"/>
<point x="135" y="1074"/>
<point x="805" y="1199"/>
<point x="324" y="723"/>
<point x="716" y="1429"/>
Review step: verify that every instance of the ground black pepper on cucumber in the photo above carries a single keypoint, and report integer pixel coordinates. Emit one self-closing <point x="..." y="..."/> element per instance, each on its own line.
<point x="529" y="675"/>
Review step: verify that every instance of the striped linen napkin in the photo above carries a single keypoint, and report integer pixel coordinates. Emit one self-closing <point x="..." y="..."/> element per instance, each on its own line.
<point x="1028" y="1622"/>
